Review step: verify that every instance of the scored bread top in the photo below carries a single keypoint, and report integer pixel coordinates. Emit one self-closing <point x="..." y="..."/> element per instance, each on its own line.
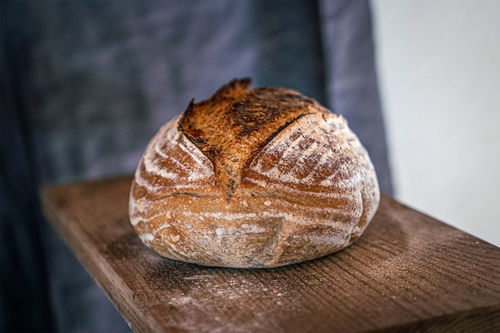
<point x="233" y="125"/>
<point x="253" y="178"/>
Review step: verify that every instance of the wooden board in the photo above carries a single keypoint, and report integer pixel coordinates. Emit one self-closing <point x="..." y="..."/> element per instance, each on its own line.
<point x="408" y="272"/>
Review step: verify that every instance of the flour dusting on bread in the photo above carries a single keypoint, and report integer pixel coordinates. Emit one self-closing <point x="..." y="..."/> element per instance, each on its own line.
<point x="258" y="177"/>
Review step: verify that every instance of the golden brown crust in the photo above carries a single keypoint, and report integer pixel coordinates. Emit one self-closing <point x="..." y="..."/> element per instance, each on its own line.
<point x="233" y="125"/>
<point x="253" y="178"/>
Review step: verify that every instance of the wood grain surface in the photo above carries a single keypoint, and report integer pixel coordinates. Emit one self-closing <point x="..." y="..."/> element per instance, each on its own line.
<point x="407" y="273"/>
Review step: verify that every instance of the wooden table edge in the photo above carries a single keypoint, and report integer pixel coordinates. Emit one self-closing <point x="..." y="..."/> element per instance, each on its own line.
<point x="136" y="316"/>
<point x="98" y="272"/>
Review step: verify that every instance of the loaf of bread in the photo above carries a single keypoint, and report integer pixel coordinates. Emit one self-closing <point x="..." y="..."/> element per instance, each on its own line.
<point x="259" y="177"/>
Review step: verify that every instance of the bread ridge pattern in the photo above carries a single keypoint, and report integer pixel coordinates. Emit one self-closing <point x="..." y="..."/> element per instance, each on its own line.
<point x="310" y="190"/>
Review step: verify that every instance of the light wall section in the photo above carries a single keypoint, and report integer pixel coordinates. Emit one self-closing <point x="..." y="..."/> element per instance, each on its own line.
<point x="439" y="72"/>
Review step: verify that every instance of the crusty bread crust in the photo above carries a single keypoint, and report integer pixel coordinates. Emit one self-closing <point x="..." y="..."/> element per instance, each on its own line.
<point x="253" y="178"/>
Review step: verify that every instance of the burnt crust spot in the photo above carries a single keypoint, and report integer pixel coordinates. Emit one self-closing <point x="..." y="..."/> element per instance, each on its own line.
<point x="237" y="122"/>
<point x="262" y="106"/>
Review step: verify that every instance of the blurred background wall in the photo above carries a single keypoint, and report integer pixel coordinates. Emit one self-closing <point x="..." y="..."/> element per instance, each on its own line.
<point x="439" y="74"/>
